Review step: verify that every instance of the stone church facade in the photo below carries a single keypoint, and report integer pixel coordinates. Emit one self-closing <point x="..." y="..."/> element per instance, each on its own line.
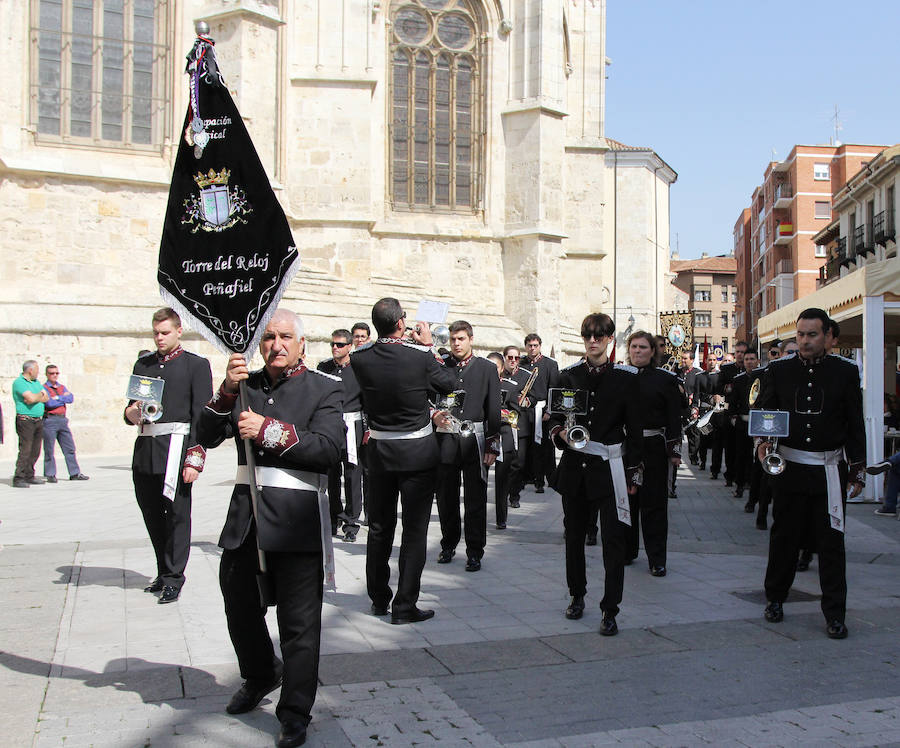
<point x="443" y="149"/>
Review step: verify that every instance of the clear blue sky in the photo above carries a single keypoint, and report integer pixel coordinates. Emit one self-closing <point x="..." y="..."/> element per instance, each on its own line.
<point x="714" y="85"/>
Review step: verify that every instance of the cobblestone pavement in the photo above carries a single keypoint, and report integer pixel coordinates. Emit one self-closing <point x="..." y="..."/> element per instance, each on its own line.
<point x="89" y="659"/>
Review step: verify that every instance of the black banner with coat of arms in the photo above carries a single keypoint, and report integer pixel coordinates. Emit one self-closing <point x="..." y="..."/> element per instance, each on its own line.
<point x="227" y="252"/>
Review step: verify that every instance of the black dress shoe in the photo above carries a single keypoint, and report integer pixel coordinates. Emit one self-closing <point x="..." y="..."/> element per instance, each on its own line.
<point x="576" y="608"/>
<point x="416" y="615"/>
<point x="292" y="733"/>
<point x="703" y="466"/>
<point x="774" y="613"/>
<point x="748" y="508"/>
<point x="714" y="476"/>
<point x="728" y="483"/>
<point x="803" y="564"/>
<point x="657" y="571"/>
<point x="836" y="630"/>
<point x="473" y="564"/>
<point x="739" y="492"/>
<point x="50" y="479"/>
<point x="169" y="594"/>
<point x="539" y="489"/>
<point x="249" y="695"/>
<point x="35" y="481"/>
<point x="350" y="536"/>
<point x="761" y="524"/>
<point x="446" y="556"/>
<point x="501" y="525"/>
<point x="672" y="494"/>
<point x="155" y="586"/>
<point x="608" y="625"/>
<point x="514" y="503"/>
<point x="20" y="483"/>
<point x="378" y="610"/>
<point x="80" y="476"/>
<point x="590" y="539"/>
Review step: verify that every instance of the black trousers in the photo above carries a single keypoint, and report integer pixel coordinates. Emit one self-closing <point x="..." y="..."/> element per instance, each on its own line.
<point x="297" y="578"/>
<point x="649" y="506"/>
<point x="547" y="453"/>
<point x="716" y="441"/>
<point x="503" y="474"/>
<point x="345" y="513"/>
<point x="743" y="454"/>
<point x="168" y="524"/>
<point x="475" y="502"/>
<point x="30" y="431"/>
<point x="577" y="507"/>
<point x="728" y="443"/>
<point x="800" y="517"/>
<point x="693" y="440"/>
<point x="416" y="493"/>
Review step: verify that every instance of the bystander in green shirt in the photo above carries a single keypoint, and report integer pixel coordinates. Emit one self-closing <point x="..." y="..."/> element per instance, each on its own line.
<point x="22" y="385"/>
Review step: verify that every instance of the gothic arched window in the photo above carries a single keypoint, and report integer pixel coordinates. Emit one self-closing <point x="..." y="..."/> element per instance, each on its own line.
<point x="436" y="137"/>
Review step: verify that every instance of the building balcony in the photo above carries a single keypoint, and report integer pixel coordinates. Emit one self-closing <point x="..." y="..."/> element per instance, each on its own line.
<point x="784" y="194"/>
<point x="859" y="244"/>
<point x="845" y="255"/>
<point x="883" y="228"/>
<point x="784" y="233"/>
<point x="784" y="267"/>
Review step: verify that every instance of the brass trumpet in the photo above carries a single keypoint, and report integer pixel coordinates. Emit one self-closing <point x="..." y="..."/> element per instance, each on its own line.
<point x="151" y="410"/>
<point x="440" y="333"/>
<point x="773" y="463"/>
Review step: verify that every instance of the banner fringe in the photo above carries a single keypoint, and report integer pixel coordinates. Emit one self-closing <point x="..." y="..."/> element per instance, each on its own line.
<point x="188" y="318"/>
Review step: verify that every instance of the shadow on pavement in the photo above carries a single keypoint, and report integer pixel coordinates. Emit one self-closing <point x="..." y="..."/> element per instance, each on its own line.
<point x="102" y="576"/>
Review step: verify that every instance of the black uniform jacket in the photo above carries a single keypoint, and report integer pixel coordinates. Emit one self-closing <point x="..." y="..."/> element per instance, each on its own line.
<point x="614" y="416"/>
<point x="548" y="376"/>
<point x="727" y="373"/>
<point x="304" y="430"/>
<point x="692" y="383"/>
<point x="478" y="377"/>
<point x="825" y="403"/>
<point x="395" y="379"/>
<point x="739" y="398"/>
<point x="511" y="384"/>
<point x="188" y="388"/>
<point x="351" y="393"/>
<point x="660" y="404"/>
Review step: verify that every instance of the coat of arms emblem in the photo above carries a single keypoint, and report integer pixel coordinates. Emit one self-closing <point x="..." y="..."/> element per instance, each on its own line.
<point x="218" y="206"/>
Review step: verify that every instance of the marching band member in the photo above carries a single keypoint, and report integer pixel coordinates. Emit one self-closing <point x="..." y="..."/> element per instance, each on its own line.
<point x="604" y="472"/>
<point x="822" y="393"/>
<point x="508" y="460"/>
<point x="739" y="410"/>
<point x="727" y="372"/>
<point x="471" y="454"/>
<point x="660" y="404"/>
<point x="346" y="514"/>
<point x="167" y="458"/>
<point x="395" y="377"/>
<point x="539" y="459"/>
<point x="522" y="414"/>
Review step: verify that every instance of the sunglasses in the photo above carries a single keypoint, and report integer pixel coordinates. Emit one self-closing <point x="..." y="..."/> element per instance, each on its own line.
<point x="594" y="335"/>
<point x="339" y="345"/>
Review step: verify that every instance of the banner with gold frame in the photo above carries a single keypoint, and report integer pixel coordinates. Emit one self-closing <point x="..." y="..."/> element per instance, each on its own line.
<point x="678" y="330"/>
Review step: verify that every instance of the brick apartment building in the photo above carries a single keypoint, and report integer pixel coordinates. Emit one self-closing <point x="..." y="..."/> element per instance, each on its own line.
<point x="781" y="262"/>
<point x="709" y="283"/>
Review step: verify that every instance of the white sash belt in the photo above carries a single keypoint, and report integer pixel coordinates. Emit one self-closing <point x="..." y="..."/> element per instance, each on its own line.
<point x="173" y="460"/>
<point x="539" y="420"/>
<point x="745" y="419"/>
<point x="350" y="420"/>
<point x="655" y="432"/>
<point x="300" y="480"/>
<point x="613" y="454"/>
<point x="274" y="477"/>
<point x="390" y="435"/>
<point x="829" y="460"/>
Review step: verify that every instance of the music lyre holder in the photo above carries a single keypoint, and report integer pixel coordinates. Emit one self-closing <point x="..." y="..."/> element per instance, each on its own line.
<point x="570" y="403"/>
<point x="451" y="402"/>
<point x="771" y="425"/>
<point x="147" y="391"/>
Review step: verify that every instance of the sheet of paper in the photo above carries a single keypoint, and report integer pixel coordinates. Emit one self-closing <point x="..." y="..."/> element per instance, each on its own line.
<point x="432" y="311"/>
